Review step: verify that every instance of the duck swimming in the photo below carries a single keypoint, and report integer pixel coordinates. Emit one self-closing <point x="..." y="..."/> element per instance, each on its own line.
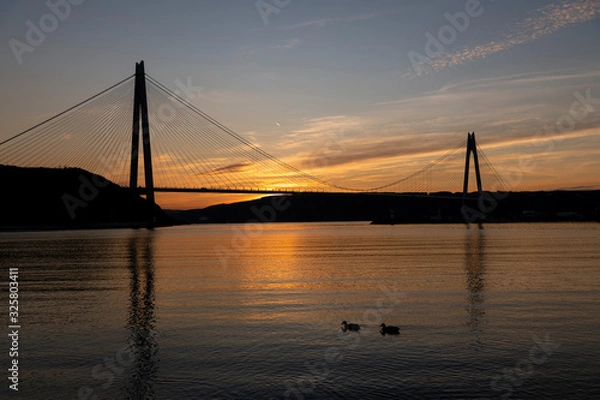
<point x="350" y="327"/>
<point x="389" y="330"/>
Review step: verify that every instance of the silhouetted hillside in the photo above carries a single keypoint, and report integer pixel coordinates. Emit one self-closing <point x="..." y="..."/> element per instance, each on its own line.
<point x="69" y="198"/>
<point x="407" y="208"/>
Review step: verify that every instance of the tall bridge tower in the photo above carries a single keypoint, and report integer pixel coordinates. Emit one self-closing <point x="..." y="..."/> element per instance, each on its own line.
<point x="471" y="148"/>
<point x="140" y="110"/>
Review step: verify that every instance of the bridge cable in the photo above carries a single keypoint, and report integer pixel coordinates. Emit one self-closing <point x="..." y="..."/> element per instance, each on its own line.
<point x="67" y="110"/>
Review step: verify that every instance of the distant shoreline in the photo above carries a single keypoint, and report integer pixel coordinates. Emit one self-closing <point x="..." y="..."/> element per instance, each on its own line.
<point x="38" y="229"/>
<point x="42" y="228"/>
<point x="388" y="209"/>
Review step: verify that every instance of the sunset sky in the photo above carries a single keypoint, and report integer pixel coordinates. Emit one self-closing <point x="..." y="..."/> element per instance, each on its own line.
<point x="358" y="93"/>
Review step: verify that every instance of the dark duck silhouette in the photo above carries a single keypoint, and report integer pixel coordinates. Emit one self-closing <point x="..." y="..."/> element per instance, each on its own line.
<point x="350" y="327"/>
<point x="389" y="330"/>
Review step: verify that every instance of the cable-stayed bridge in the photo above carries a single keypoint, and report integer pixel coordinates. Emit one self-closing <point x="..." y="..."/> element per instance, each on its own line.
<point x="138" y="126"/>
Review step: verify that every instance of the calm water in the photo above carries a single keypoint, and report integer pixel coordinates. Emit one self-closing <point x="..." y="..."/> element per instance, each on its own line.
<point x="254" y="312"/>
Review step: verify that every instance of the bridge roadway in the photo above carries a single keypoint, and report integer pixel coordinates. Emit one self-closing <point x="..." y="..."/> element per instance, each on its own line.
<point x="239" y="191"/>
<point x="444" y="195"/>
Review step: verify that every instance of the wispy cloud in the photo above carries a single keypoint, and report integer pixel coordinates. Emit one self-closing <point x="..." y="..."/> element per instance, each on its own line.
<point x="519" y="80"/>
<point x="361" y="150"/>
<point x="542" y="22"/>
<point x="237" y="167"/>
<point x="316" y="130"/>
<point x="288" y="45"/>
<point x="322" y="22"/>
<point x="536" y="83"/>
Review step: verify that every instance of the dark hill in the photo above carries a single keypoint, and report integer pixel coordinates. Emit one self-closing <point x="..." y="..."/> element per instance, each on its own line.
<point x="49" y="198"/>
<point x="407" y="208"/>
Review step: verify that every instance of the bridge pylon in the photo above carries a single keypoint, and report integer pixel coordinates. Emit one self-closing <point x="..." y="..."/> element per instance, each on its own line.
<point x="471" y="148"/>
<point x="140" y="111"/>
